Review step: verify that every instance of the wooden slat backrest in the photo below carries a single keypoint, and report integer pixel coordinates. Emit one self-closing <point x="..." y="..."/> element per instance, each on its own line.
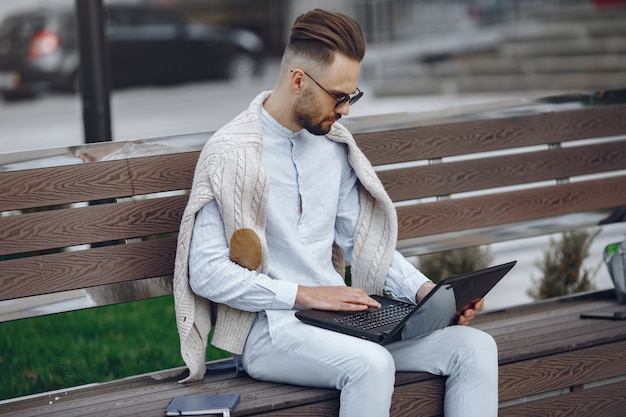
<point x="139" y="222"/>
<point x="509" y="207"/>
<point x="64" y="271"/>
<point x="500" y="171"/>
<point x="524" y="168"/>
<point x="491" y="134"/>
<point x="24" y="189"/>
<point x="162" y="173"/>
<point x="92" y="224"/>
<point x="41" y="187"/>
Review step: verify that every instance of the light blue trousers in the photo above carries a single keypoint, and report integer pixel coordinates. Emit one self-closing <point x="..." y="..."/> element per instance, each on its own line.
<point x="290" y="351"/>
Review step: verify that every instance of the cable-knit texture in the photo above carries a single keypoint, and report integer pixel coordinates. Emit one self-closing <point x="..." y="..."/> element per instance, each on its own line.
<point x="229" y="171"/>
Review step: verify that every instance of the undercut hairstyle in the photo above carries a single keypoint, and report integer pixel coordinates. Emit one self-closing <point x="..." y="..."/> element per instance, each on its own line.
<point x="319" y="34"/>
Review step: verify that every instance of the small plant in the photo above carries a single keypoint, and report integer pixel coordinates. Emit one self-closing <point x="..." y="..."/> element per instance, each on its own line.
<point x="561" y="266"/>
<point x="453" y="262"/>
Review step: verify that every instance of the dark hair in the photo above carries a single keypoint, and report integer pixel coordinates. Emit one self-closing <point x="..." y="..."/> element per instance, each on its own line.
<point x="319" y="34"/>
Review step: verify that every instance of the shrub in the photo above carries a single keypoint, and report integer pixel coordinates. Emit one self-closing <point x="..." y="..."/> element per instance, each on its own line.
<point x="561" y="266"/>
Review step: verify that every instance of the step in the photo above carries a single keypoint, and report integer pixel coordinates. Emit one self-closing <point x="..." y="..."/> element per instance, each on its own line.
<point x="507" y="65"/>
<point x="498" y="83"/>
<point x="595" y="46"/>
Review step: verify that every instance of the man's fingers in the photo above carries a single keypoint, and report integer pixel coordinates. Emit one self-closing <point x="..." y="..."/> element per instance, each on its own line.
<point x="334" y="298"/>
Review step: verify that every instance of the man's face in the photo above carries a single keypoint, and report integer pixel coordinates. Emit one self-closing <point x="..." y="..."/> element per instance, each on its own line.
<point x="315" y="109"/>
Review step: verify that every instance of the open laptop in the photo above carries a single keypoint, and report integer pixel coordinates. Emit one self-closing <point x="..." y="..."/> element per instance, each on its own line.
<point x="437" y="310"/>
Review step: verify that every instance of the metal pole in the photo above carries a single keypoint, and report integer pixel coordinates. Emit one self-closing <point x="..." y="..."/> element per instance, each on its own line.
<point x="94" y="71"/>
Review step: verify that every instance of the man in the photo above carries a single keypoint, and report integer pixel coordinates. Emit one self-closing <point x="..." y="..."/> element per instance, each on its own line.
<point x="281" y="196"/>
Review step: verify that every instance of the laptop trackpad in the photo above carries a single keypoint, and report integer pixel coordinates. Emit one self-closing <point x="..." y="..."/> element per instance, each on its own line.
<point x="438" y="312"/>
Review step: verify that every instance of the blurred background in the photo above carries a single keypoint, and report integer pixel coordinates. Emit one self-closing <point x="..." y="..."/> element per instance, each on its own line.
<point x="207" y="58"/>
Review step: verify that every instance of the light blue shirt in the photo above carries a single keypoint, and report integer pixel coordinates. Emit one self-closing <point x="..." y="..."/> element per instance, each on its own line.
<point x="313" y="202"/>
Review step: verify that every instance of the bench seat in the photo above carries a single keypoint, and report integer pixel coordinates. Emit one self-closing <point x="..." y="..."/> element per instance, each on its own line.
<point x="550" y="358"/>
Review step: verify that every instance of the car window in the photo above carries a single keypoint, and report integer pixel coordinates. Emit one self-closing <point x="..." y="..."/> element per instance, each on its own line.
<point x="144" y="17"/>
<point x="157" y="17"/>
<point x="142" y="24"/>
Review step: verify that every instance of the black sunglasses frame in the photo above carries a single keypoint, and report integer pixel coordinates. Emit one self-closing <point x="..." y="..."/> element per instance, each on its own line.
<point x="350" y="99"/>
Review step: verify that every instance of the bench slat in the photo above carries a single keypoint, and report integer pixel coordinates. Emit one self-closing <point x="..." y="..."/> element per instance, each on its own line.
<point x="162" y="173"/>
<point x="554" y="372"/>
<point x="461" y="138"/>
<point x="427" y="398"/>
<point x="65" y="271"/>
<point x="147" y="397"/>
<point x="515" y="206"/>
<point x="501" y="171"/>
<point x="100" y="223"/>
<point x="562" y="341"/>
<point x="605" y="401"/>
<point x="515" y="320"/>
<point x="63" y="185"/>
<point x="529" y="315"/>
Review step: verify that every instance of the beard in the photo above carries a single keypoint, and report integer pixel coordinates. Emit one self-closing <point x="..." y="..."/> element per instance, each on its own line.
<point x="310" y="119"/>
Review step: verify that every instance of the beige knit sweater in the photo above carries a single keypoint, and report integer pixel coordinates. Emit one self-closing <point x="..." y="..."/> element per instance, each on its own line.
<point x="229" y="171"/>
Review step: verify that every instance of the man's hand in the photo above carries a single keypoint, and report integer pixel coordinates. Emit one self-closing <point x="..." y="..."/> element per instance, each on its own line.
<point x="334" y="298"/>
<point x="466" y="314"/>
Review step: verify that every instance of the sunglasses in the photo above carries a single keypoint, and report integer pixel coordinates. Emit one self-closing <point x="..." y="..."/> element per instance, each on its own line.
<point x="350" y="99"/>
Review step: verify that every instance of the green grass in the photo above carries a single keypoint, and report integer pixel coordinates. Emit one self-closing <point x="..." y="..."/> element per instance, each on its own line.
<point x="93" y="345"/>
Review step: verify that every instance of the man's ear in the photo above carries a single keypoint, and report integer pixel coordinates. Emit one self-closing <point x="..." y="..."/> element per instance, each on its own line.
<point x="295" y="80"/>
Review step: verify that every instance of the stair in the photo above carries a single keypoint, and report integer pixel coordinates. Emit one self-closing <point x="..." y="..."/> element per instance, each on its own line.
<point x="578" y="49"/>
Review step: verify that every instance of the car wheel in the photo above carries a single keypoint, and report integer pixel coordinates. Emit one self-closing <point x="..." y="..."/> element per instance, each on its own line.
<point x="241" y="67"/>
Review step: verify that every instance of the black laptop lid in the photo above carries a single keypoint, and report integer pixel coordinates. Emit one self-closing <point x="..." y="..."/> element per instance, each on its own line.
<point x="454" y="295"/>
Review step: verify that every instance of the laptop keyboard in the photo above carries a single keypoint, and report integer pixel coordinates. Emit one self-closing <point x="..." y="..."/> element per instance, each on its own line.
<point x="370" y="319"/>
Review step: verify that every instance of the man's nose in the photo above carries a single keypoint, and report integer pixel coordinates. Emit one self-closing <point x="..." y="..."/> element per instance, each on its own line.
<point x="343" y="109"/>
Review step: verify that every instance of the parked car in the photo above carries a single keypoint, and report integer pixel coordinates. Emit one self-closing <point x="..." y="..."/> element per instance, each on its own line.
<point x="146" y="45"/>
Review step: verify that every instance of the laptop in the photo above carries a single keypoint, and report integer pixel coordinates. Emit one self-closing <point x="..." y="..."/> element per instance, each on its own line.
<point x="391" y="322"/>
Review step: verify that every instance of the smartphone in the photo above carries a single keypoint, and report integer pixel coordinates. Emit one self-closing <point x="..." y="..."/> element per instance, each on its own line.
<point x="607" y="315"/>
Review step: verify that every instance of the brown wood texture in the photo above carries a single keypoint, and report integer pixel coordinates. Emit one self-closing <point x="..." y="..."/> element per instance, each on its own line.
<point x="564" y="370"/>
<point x="605" y="401"/>
<point x="461" y="138"/>
<point x="515" y="206"/>
<point x="424" y="399"/>
<point x="57" y="272"/>
<point x="162" y="173"/>
<point x="501" y="171"/>
<point x="147" y="397"/>
<point x="95" y="181"/>
<point x="100" y="223"/>
<point x="542" y="329"/>
<point x="62" y="185"/>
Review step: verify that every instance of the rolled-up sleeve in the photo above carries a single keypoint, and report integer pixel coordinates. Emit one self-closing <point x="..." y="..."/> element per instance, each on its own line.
<point x="403" y="279"/>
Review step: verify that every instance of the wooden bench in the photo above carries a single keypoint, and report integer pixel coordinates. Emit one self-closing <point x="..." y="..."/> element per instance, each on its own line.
<point x="461" y="178"/>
